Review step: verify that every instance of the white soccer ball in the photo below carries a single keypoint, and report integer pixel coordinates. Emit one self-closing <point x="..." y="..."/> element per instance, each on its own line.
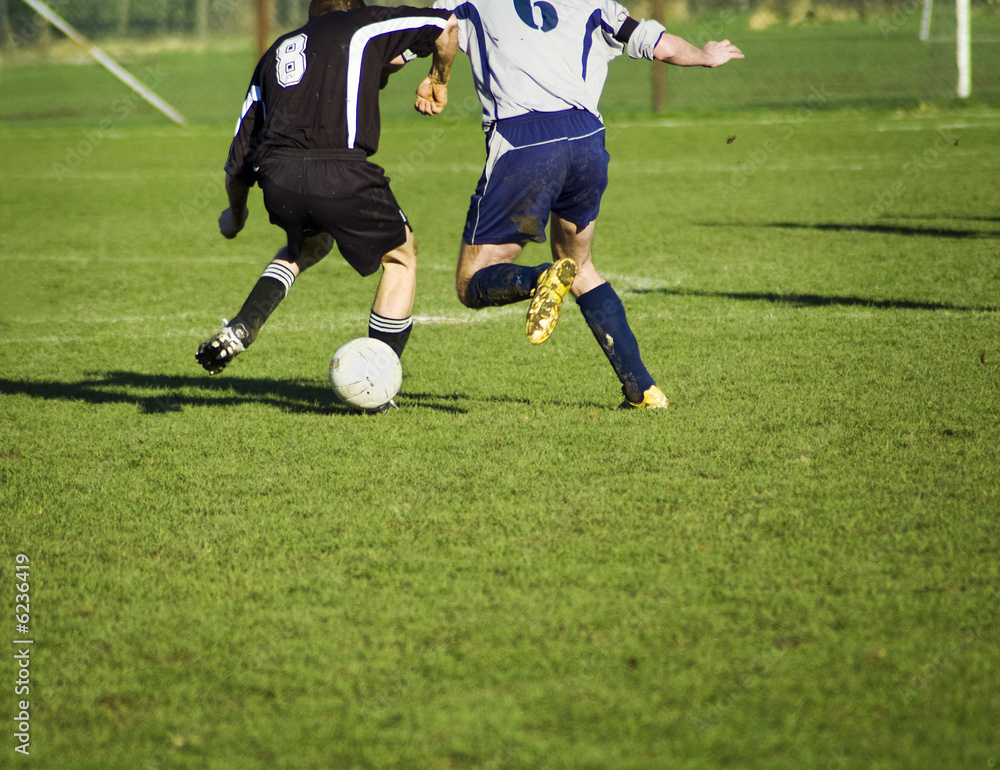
<point x="366" y="374"/>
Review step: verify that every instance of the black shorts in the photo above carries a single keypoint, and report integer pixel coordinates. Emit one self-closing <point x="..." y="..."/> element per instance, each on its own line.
<point x="334" y="191"/>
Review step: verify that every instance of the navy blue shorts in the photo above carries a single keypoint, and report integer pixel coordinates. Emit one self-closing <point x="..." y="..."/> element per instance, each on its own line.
<point x="537" y="164"/>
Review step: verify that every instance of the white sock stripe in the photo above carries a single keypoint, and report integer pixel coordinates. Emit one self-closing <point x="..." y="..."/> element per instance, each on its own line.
<point x="389" y="325"/>
<point x="281" y="274"/>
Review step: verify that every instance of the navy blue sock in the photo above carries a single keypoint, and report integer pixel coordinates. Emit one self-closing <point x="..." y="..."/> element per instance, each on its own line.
<point x="504" y="284"/>
<point x="605" y="315"/>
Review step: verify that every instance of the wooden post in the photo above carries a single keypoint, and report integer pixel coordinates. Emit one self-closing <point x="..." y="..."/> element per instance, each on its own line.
<point x="124" y="6"/>
<point x="201" y="19"/>
<point x="263" y="26"/>
<point x="659" y="68"/>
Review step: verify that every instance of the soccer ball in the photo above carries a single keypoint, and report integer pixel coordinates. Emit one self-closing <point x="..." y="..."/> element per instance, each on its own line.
<point x="366" y="374"/>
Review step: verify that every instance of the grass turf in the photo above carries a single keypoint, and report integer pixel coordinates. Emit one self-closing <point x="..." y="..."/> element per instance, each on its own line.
<point x="795" y="566"/>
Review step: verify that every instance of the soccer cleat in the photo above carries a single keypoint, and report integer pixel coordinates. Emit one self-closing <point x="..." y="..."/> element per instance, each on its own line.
<point x="215" y="354"/>
<point x="390" y="404"/>
<point x="653" y="398"/>
<point x="386" y="407"/>
<point x="547" y="299"/>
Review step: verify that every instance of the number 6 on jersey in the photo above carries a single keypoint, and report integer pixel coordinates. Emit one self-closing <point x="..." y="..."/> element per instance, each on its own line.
<point x="526" y="12"/>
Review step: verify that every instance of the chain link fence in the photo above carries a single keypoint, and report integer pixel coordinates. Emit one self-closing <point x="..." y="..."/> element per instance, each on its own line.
<point x="198" y="55"/>
<point x="145" y="19"/>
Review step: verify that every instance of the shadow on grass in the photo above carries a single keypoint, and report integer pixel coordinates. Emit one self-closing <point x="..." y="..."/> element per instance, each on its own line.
<point x="928" y="231"/>
<point x="846" y="227"/>
<point x="162" y="393"/>
<point x="816" y="300"/>
<point x="434" y="401"/>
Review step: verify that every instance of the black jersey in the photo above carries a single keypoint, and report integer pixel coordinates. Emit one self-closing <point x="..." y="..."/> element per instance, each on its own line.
<point x="318" y="87"/>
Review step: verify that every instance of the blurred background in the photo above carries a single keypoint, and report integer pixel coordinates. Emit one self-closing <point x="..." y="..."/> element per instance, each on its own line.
<point x="198" y="55"/>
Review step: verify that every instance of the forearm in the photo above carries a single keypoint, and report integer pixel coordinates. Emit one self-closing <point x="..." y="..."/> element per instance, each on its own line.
<point x="231" y="220"/>
<point x="432" y="93"/>
<point x="679" y="52"/>
<point x="238" y="192"/>
<point x="445" y="50"/>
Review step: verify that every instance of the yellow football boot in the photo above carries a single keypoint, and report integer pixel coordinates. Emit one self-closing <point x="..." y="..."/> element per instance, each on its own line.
<point x="653" y="398"/>
<point x="547" y="298"/>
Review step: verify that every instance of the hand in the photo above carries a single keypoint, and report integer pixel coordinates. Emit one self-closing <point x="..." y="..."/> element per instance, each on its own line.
<point x="719" y="53"/>
<point x="432" y="96"/>
<point x="230" y="224"/>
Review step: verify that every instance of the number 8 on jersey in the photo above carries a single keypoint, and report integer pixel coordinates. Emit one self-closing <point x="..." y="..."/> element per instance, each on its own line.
<point x="292" y="61"/>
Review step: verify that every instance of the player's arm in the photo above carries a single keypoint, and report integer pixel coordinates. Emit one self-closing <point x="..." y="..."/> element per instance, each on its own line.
<point x="240" y="175"/>
<point x="648" y="39"/>
<point x="231" y="220"/>
<point x="678" y="51"/>
<point x="432" y="93"/>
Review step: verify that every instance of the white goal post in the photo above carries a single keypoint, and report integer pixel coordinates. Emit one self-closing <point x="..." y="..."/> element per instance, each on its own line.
<point x="110" y="64"/>
<point x="963" y="42"/>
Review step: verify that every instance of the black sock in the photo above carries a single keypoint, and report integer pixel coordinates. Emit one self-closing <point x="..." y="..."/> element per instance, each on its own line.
<point x="393" y="332"/>
<point x="270" y="289"/>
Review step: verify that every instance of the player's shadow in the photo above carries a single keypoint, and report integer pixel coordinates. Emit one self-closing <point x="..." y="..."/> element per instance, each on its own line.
<point x="434" y="401"/>
<point x="816" y="300"/>
<point x="888" y="229"/>
<point x="163" y="393"/>
<point x="927" y="231"/>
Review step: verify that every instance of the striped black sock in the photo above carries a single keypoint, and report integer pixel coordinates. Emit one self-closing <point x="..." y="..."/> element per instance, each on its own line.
<point x="270" y="289"/>
<point x="392" y="331"/>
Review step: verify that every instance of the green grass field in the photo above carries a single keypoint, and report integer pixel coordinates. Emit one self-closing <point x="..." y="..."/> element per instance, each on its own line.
<point x="796" y="566"/>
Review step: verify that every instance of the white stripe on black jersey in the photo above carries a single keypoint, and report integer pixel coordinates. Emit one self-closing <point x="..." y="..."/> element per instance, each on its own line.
<point x="317" y="87"/>
<point x="356" y="54"/>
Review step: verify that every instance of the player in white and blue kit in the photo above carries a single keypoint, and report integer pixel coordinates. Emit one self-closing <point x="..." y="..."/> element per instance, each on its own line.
<point x="539" y="68"/>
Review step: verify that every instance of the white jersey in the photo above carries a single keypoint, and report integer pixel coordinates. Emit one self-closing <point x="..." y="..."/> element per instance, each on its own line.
<point x="545" y="55"/>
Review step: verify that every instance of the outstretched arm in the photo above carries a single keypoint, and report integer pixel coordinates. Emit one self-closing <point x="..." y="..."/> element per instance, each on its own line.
<point x="678" y="51"/>
<point x="432" y="93"/>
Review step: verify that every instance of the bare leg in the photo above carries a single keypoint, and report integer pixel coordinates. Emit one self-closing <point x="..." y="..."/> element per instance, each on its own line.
<point x="390" y="319"/>
<point x="398" y="286"/>
<point x="314" y="248"/>
<point x="572" y="242"/>
<point x="572" y="271"/>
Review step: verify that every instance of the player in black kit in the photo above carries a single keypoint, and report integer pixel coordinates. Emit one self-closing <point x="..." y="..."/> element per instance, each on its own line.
<point x="308" y="124"/>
